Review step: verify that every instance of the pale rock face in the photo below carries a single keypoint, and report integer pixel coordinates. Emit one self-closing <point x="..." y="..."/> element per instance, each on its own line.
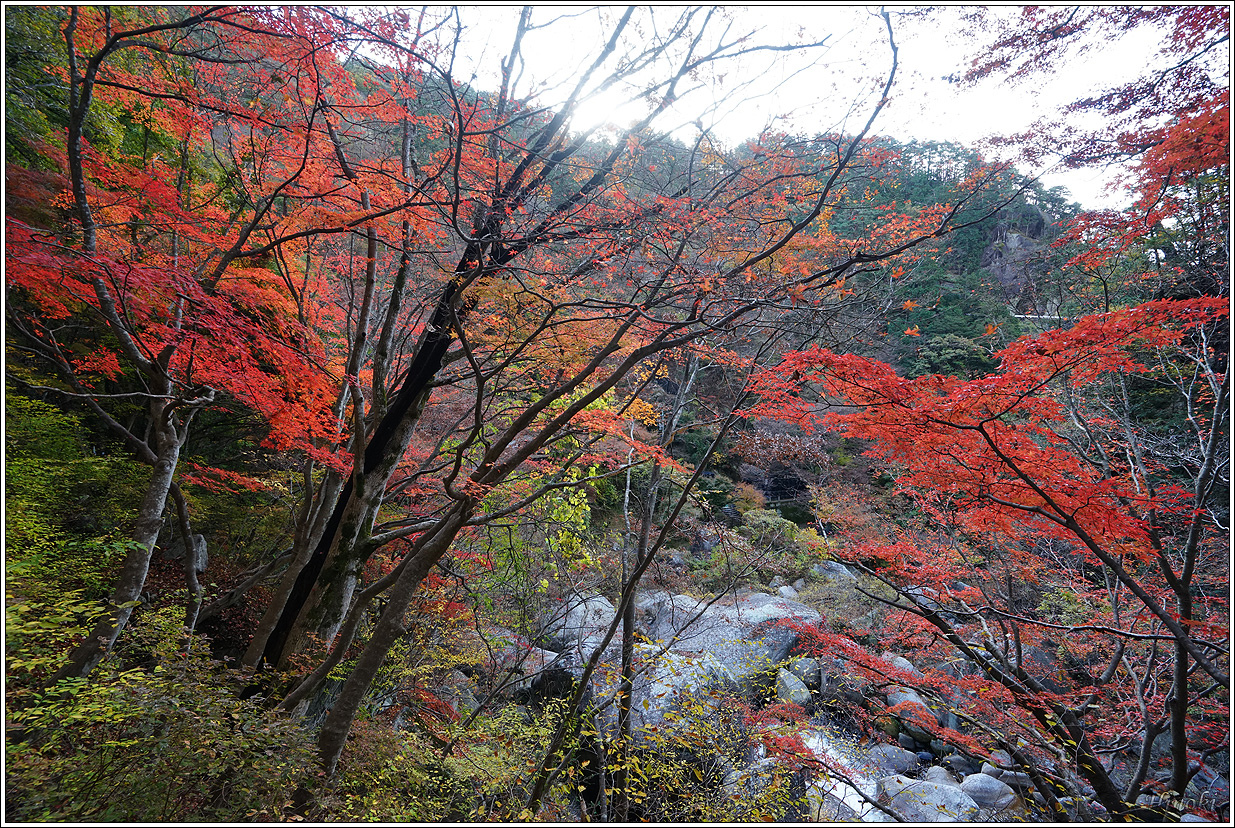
<point x="578" y="618"/>
<point x="832" y="570"/>
<point x="733" y="645"/>
<point x="918" y="801"/>
<point x="743" y="633"/>
<point x="988" y="791"/>
<point x="890" y="759"/>
<point x="826" y="807"/>
<point x="790" y="689"/>
<point x="670" y="680"/>
<point x="1012" y="255"/>
<point x="941" y="776"/>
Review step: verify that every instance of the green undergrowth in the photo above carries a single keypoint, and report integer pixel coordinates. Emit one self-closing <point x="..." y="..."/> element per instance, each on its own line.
<point x="168" y="741"/>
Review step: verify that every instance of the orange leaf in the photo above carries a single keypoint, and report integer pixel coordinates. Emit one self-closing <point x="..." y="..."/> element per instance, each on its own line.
<point x="913" y="331"/>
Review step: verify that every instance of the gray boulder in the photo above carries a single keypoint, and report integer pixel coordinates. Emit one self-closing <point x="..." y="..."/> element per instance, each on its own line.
<point x="923" y="596"/>
<point x="744" y="633"/>
<point x="1208" y="789"/>
<point x="1017" y="780"/>
<point x="831" y="570"/>
<point x="827" y="807"/>
<point x="1000" y="759"/>
<point x="900" y="695"/>
<point x="958" y="764"/>
<point x="918" y="801"/>
<point x="666" y="613"/>
<point x="516" y="662"/>
<point x="790" y="689"/>
<point x="459" y="691"/>
<point x="916" y="716"/>
<point x="664" y="681"/>
<point x="806" y="669"/>
<point x="200" y="557"/>
<point x="902" y="663"/>
<point x="1046" y="668"/>
<point x="646" y="606"/>
<point x="890" y="759"/>
<point x="577" y="619"/>
<point x="831" y="669"/>
<point x="837" y="686"/>
<point x="988" y="791"/>
<point x="940" y="776"/>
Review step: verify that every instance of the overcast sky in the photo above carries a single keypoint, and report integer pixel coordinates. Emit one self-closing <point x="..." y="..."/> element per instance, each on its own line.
<point x="833" y="88"/>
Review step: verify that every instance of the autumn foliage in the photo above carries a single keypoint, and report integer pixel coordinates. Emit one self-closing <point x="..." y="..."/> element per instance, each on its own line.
<point x="393" y="361"/>
<point x="1057" y="555"/>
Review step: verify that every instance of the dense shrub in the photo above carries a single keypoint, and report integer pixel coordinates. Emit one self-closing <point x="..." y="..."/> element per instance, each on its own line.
<point x="166" y="743"/>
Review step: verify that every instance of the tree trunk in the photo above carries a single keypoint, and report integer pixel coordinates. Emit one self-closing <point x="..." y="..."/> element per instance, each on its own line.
<point x="132" y="578"/>
<point x="385" y="448"/>
<point x="386" y="632"/>
<point x="309" y="536"/>
<point x="330" y="597"/>
<point x="1178" y="705"/>
<point x="621" y="799"/>
<point x="621" y="792"/>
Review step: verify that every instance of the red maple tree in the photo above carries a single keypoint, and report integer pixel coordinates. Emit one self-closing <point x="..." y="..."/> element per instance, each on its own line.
<point x="1067" y="556"/>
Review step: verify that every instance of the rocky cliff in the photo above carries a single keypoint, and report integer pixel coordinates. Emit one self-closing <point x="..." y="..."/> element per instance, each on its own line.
<point x="1014" y="253"/>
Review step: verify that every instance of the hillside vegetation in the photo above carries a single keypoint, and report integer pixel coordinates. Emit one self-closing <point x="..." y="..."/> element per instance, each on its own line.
<point x="380" y="444"/>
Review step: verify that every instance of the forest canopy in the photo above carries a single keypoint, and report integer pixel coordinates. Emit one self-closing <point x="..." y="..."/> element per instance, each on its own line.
<point x="389" y="436"/>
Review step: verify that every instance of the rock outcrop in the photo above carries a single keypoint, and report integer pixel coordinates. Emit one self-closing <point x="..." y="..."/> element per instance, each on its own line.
<point x="747" y="633"/>
<point x="1013" y="254"/>
<point x="918" y="801"/>
<point x="692" y="654"/>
